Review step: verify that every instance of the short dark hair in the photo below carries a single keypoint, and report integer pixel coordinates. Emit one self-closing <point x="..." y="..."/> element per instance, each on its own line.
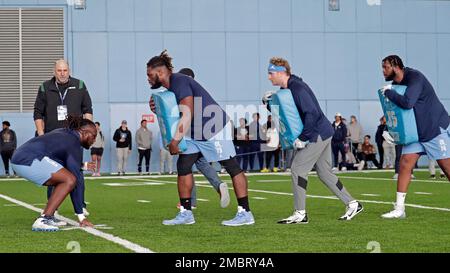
<point x="368" y="136"/>
<point x="187" y="71"/>
<point x="162" y="60"/>
<point x="6" y="123"/>
<point x="394" y="60"/>
<point x="142" y="121"/>
<point x="98" y="123"/>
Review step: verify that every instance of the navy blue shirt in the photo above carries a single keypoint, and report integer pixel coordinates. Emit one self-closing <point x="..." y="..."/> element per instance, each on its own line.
<point x="208" y="117"/>
<point x="314" y="121"/>
<point x="340" y="132"/>
<point x="61" y="145"/>
<point x="419" y="95"/>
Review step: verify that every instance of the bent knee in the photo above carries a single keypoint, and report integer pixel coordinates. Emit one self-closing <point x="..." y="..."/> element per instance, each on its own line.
<point x="70" y="181"/>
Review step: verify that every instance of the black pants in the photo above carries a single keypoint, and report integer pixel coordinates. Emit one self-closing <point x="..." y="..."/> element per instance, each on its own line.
<point x="355" y="150"/>
<point x="255" y="150"/>
<point x="276" y="154"/>
<point x="369" y="157"/>
<point x="146" y="154"/>
<point x="6" y="156"/>
<point x="381" y="153"/>
<point x="336" y="148"/>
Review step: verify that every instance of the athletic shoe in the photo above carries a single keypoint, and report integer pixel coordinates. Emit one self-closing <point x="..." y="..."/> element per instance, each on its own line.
<point x="353" y="209"/>
<point x="443" y="176"/>
<point x="395" y="177"/>
<point x="52" y="221"/>
<point x="242" y="217"/>
<point x="224" y="195"/>
<point x="334" y="170"/>
<point x="412" y="176"/>
<point x="184" y="217"/>
<point x="265" y="170"/>
<point x="397" y="213"/>
<point x="275" y="170"/>
<point x="299" y="217"/>
<point x="288" y="170"/>
<point x="43" y="224"/>
<point x="85" y="212"/>
<point x="344" y="169"/>
<point x="432" y="176"/>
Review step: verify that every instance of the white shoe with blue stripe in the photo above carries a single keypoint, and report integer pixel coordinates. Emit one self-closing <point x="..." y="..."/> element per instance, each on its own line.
<point x="242" y="217"/>
<point x="184" y="217"/>
<point x="44" y="224"/>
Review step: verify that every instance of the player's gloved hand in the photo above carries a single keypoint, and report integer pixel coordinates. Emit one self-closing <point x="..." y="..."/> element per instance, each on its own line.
<point x="389" y="139"/>
<point x="267" y="97"/>
<point x="386" y="87"/>
<point x="298" y="144"/>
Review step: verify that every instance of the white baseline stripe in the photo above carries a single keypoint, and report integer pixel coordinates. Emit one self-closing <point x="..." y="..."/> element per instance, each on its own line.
<point x="127" y="244"/>
<point x="323" y="197"/>
<point x="388" y="179"/>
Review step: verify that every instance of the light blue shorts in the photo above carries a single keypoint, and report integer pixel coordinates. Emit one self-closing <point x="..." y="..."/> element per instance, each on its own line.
<point x="218" y="148"/>
<point x="39" y="172"/>
<point x="437" y="148"/>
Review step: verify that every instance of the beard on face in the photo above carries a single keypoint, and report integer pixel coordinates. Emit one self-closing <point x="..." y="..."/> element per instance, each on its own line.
<point x="86" y="145"/>
<point x="157" y="83"/>
<point x="391" y="76"/>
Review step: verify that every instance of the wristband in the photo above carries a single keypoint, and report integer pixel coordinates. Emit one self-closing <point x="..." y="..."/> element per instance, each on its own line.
<point x="81" y="217"/>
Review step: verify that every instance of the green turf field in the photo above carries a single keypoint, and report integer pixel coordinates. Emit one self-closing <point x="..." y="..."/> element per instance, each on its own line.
<point x="113" y="203"/>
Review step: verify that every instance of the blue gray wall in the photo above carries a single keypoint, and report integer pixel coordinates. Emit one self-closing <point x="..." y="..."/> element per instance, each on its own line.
<point x="228" y="44"/>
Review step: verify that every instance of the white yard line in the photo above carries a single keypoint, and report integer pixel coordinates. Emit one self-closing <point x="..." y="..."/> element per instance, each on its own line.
<point x="322" y="197"/>
<point x="393" y="181"/>
<point x="127" y="244"/>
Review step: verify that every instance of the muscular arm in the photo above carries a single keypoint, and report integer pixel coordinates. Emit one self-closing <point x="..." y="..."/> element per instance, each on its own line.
<point x="409" y="99"/>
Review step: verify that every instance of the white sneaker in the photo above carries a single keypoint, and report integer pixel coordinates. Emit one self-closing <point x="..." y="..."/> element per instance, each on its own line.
<point x="353" y="209"/>
<point x="224" y="195"/>
<point x="334" y="170"/>
<point x="412" y="176"/>
<point x="361" y="165"/>
<point x="288" y="170"/>
<point x="299" y="217"/>
<point x="395" y="177"/>
<point x="344" y="169"/>
<point x="55" y="222"/>
<point x="85" y="212"/>
<point x="43" y="224"/>
<point x="397" y="213"/>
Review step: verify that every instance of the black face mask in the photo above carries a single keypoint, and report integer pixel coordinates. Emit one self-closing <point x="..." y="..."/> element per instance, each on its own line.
<point x="391" y="76"/>
<point x="157" y="83"/>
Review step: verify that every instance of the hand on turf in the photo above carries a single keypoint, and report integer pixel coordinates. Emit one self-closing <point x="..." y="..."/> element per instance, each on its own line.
<point x="389" y="139"/>
<point x="151" y="103"/>
<point x="86" y="223"/>
<point x="173" y="147"/>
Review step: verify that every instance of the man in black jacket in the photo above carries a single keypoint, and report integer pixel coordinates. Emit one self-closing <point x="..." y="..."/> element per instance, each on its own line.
<point x="8" y="144"/>
<point x="58" y="98"/>
<point x="122" y="137"/>
<point x="338" y="140"/>
<point x="379" y="138"/>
